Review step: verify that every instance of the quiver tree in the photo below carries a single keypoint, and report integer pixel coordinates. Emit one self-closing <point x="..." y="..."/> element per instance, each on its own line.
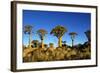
<point x="59" y="31"/>
<point x="88" y="35"/>
<point x="72" y="34"/>
<point x="28" y="30"/>
<point x="42" y="33"/>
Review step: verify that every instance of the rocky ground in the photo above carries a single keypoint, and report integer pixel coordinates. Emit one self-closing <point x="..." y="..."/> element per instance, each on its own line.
<point x="56" y="54"/>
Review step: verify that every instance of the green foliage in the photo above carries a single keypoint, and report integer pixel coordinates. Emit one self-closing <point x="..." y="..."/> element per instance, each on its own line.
<point x="58" y="31"/>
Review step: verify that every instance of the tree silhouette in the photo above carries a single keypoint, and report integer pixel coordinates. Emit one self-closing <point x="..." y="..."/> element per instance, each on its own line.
<point x="59" y="31"/>
<point x="28" y="30"/>
<point x="35" y="43"/>
<point x="88" y="35"/>
<point x="42" y="33"/>
<point x="72" y="34"/>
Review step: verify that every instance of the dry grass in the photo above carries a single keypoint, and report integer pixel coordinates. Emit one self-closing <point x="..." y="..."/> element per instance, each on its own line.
<point x="55" y="54"/>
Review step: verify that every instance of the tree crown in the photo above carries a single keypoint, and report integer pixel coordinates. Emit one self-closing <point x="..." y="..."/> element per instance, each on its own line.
<point x="58" y="31"/>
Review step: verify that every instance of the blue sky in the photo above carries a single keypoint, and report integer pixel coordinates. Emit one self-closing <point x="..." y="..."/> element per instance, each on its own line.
<point x="72" y="21"/>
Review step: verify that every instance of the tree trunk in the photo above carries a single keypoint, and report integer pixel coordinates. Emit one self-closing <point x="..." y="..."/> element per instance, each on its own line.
<point x="72" y="42"/>
<point x="30" y="38"/>
<point x="42" y="44"/>
<point x="60" y="42"/>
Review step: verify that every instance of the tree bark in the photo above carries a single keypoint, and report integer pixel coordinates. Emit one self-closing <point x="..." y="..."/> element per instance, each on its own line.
<point x="72" y="42"/>
<point x="30" y="38"/>
<point x="42" y="44"/>
<point x="60" y="42"/>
